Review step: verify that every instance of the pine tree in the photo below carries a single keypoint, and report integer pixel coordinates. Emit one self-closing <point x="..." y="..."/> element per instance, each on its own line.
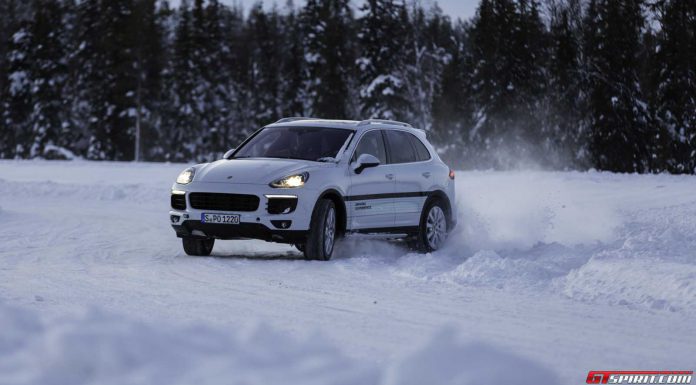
<point x="48" y="69"/>
<point x="600" y="88"/>
<point x="183" y="118"/>
<point x="424" y="60"/>
<point x="86" y="66"/>
<point x="148" y="68"/>
<point x="200" y="79"/>
<point x="490" y="78"/>
<point x="565" y="136"/>
<point x="266" y="43"/>
<point x="453" y="103"/>
<point x="380" y="67"/>
<point x="509" y="57"/>
<point x="292" y="101"/>
<point x="18" y="102"/>
<point x="108" y="77"/>
<point x="8" y="26"/>
<point x="620" y="138"/>
<point x="201" y="71"/>
<point x="219" y="94"/>
<point x="676" y="85"/>
<point x="120" y="32"/>
<point x="530" y="55"/>
<point x="240" y="119"/>
<point x="329" y="55"/>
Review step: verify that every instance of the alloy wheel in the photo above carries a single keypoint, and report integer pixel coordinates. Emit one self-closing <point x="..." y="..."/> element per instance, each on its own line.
<point x="329" y="231"/>
<point x="436" y="227"/>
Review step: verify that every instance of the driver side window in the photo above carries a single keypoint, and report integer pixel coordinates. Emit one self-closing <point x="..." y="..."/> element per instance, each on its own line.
<point x="371" y="143"/>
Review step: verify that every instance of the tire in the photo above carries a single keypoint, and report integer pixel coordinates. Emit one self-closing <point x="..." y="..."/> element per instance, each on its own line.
<point x="323" y="230"/>
<point x="432" y="231"/>
<point x="198" y="247"/>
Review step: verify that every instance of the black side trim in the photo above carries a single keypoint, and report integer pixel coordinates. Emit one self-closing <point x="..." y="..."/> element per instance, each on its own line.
<point x="389" y="195"/>
<point x="389" y="230"/>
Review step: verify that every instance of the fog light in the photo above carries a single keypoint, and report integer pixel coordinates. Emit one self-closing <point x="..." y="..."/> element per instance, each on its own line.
<point x="281" y="224"/>
<point x="174" y="218"/>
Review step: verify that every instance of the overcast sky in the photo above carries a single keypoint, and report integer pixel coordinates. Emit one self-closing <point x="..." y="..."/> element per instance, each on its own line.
<point x="459" y="8"/>
<point x="456" y="8"/>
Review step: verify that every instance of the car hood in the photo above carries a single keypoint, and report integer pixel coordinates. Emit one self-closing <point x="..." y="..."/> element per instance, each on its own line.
<point x="253" y="171"/>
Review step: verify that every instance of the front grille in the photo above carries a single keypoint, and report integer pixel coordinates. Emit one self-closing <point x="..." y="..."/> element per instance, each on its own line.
<point x="224" y="202"/>
<point x="179" y="201"/>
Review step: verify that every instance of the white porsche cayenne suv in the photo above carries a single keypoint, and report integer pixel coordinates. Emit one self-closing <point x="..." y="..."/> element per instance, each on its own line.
<point x="308" y="182"/>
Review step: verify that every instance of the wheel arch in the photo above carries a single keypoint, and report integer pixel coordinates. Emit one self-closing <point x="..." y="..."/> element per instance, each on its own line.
<point x="340" y="204"/>
<point x="441" y="196"/>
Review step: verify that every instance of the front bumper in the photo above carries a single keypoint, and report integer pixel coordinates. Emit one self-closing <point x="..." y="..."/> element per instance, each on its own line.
<point x="258" y="224"/>
<point x="198" y="229"/>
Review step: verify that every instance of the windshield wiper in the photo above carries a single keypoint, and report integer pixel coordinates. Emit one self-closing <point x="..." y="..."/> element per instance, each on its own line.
<point x="286" y="157"/>
<point x="327" y="159"/>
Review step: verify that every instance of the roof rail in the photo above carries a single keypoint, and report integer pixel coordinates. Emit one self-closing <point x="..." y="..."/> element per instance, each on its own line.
<point x="294" y="118"/>
<point x="384" y="121"/>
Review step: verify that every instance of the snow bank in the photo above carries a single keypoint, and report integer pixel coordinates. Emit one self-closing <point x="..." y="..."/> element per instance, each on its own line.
<point x="84" y="181"/>
<point x="618" y="239"/>
<point x="93" y="347"/>
<point x="50" y="190"/>
<point x="530" y="245"/>
<point x="445" y="361"/>
<point x="98" y="348"/>
<point x="653" y="266"/>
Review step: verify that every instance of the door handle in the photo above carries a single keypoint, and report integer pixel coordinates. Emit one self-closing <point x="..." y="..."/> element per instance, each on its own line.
<point x="389" y="176"/>
<point x="426" y="174"/>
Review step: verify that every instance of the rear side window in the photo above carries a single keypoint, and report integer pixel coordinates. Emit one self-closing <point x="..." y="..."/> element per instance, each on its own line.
<point x="422" y="153"/>
<point x="373" y="144"/>
<point x="400" y="148"/>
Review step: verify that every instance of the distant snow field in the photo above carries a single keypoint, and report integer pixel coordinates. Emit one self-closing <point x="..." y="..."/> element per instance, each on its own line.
<point x="549" y="275"/>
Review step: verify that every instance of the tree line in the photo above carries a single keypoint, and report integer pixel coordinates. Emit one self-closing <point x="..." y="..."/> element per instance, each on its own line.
<point x="562" y="84"/>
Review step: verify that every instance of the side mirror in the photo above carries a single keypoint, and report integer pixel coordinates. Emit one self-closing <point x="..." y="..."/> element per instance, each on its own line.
<point x="365" y="161"/>
<point x="228" y="154"/>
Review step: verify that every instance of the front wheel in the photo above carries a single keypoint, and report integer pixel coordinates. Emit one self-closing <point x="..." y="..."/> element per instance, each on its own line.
<point x="197" y="246"/>
<point x="322" y="231"/>
<point x="432" y="231"/>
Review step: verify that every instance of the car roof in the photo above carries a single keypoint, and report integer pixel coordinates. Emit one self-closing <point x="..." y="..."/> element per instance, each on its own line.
<point x="310" y="122"/>
<point x="346" y="124"/>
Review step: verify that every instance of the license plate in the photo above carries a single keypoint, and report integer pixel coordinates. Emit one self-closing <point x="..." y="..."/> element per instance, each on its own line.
<point x="225" y="219"/>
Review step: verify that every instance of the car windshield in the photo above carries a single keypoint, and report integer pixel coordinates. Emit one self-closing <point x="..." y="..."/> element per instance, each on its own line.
<point x="307" y="143"/>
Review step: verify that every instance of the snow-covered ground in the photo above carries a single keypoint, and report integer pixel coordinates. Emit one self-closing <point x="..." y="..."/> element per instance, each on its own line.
<point x="548" y="276"/>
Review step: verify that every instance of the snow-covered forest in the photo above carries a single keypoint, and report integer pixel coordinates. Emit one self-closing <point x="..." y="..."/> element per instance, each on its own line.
<point x="606" y="84"/>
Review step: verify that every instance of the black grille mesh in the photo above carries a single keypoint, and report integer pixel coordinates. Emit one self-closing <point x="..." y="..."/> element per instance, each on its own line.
<point x="224" y="202"/>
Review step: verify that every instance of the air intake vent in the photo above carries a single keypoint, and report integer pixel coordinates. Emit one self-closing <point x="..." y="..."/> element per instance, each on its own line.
<point x="281" y="205"/>
<point x="179" y="201"/>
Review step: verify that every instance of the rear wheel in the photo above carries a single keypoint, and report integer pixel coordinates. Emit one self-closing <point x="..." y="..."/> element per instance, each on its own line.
<point x="197" y="246"/>
<point x="322" y="232"/>
<point x="432" y="231"/>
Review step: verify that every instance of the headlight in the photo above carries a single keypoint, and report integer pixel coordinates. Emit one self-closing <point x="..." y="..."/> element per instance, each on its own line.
<point x="291" y="181"/>
<point x="186" y="176"/>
